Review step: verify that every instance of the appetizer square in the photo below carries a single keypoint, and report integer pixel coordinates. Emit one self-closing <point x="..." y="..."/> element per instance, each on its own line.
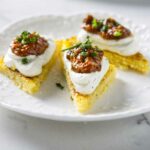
<point x="88" y="72"/>
<point x="120" y="44"/>
<point x="28" y="60"/>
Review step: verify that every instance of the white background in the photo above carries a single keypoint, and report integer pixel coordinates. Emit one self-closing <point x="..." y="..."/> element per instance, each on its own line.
<point x="19" y="132"/>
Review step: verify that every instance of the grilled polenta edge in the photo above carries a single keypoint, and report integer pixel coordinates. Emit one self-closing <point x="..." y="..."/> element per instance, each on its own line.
<point x="30" y="85"/>
<point x="84" y="103"/>
<point x="136" y="62"/>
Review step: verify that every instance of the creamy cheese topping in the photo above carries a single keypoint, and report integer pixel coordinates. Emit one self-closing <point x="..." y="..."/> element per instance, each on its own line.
<point x="126" y="47"/>
<point x="35" y="64"/>
<point x="86" y="83"/>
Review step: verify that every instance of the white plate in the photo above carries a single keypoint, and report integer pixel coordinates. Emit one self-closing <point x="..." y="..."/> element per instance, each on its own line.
<point x="129" y="95"/>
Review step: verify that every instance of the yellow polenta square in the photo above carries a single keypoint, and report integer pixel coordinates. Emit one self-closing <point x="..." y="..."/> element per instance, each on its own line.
<point x="84" y="103"/>
<point x="30" y="85"/>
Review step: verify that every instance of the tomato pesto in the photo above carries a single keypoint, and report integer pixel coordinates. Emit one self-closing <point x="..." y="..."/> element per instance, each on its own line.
<point x="29" y="44"/>
<point x="108" y="28"/>
<point x="84" y="57"/>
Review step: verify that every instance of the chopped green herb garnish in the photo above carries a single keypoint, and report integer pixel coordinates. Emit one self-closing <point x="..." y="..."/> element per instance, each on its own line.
<point x="94" y="23"/>
<point x="23" y="41"/>
<point x="83" y="53"/>
<point x="25" y="38"/>
<point x="97" y="23"/>
<point x="60" y="86"/>
<point x="84" y="45"/>
<point x="87" y="44"/>
<point x="117" y="33"/>
<point x="25" y="61"/>
<point x="19" y="39"/>
<point x="25" y="34"/>
<point x="94" y="54"/>
<point x="88" y="40"/>
<point x="104" y="28"/>
<point x="33" y="39"/>
<point x="75" y="46"/>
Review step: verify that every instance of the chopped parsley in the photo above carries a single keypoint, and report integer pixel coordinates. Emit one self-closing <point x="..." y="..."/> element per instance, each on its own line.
<point x="24" y="61"/>
<point x="25" y="38"/>
<point x="60" y="86"/>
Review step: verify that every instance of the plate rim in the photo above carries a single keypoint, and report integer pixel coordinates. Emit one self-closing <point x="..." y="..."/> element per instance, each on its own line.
<point x="81" y="118"/>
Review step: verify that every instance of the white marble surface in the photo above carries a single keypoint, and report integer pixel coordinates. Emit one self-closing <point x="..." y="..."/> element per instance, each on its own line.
<point x="19" y="132"/>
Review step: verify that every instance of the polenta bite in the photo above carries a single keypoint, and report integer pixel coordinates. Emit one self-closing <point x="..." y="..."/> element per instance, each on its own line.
<point x="88" y="72"/>
<point x="28" y="60"/>
<point x="120" y="44"/>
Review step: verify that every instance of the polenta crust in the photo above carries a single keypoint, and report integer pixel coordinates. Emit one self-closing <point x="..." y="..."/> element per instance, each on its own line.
<point x="135" y="62"/>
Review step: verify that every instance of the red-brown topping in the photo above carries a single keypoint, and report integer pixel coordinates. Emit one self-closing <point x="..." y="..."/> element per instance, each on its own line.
<point x="29" y="44"/>
<point x="85" y="58"/>
<point x="109" y="29"/>
<point x="85" y="64"/>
